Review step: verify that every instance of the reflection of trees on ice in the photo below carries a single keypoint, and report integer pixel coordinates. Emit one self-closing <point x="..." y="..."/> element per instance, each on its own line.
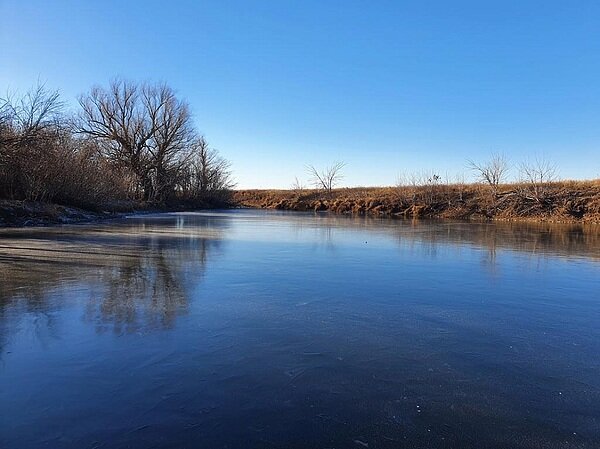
<point x="133" y="277"/>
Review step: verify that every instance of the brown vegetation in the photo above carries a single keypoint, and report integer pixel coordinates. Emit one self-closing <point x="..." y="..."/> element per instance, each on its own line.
<point x="133" y="146"/>
<point x="557" y="201"/>
<point x="130" y="145"/>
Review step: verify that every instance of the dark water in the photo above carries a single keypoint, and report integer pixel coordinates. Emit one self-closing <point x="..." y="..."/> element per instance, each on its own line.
<point x="246" y="329"/>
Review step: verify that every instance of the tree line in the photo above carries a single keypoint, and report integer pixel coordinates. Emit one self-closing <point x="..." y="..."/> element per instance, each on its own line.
<point x="128" y="142"/>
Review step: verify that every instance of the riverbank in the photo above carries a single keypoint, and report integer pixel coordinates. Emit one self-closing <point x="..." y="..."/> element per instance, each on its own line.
<point x="16" y="213"/>
<point x="568" y="201"/>
<point x="36" y="213"/>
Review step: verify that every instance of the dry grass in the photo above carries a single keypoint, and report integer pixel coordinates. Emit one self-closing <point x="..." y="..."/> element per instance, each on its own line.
<point x="565" y="201"/>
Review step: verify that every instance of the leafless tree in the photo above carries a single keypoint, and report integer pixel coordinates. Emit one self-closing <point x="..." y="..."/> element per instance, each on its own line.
<point x="37" y="113"/>
<point x="170" y="145"/>
<point x="493" y="172"/>
<point x="142" y="127"/>
<point x="128" y="141"/>
<point x="41" y="160"/>
<point x="206" y="172"/>
<point x="327" y="178"/>
<point x="30" y="133"/>
<point x="535" y="177"/>
<point x="123" y="119"/>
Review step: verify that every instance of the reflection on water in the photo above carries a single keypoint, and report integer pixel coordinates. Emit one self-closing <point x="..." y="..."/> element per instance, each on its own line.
<point x="577" y="240"/>
<point x="134" y="275"/>
<point x="269" y="329"/>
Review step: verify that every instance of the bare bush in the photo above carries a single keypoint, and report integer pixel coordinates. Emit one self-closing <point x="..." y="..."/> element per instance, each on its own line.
<point x="297" y="185"/>
<point x="535" y="179"/>
<point x="327" y="178"/>
<point x="425" y="187"/>
<point x="86" y="179"/>
<point x="459" y="182"/>
<point x="493" y="172"/>
<point x="431" y="187"/>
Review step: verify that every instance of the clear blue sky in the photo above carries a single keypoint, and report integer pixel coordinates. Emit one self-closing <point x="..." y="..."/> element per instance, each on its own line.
<point x="387" y="86"/>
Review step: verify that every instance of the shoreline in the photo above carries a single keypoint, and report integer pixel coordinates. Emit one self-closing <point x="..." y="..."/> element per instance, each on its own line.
<point x="20" y="214"/>
<point x="32" y="214"/>
<point x="83" y="217"/>
<point x="569" y="202"/>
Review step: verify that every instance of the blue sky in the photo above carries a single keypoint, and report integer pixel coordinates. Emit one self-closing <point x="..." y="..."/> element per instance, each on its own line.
<point x="390" y="87"/>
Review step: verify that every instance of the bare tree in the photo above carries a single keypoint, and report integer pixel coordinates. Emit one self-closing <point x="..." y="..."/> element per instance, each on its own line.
<point x="31" y="129"/>
<point x="206" y="171"/>
<point x="535" y="177"/>
<point x="327" y="178"/>
<point x="36" y="113"/>
<point x="144" y="128"/>
<point x="493" y="172"/>
<point x="170" y="145"/>
<point x="122" y="119"/>
<point x="128" y="141"/>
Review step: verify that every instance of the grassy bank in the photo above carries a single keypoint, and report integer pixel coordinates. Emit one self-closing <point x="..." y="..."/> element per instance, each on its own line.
<point x="567" y="201"/>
